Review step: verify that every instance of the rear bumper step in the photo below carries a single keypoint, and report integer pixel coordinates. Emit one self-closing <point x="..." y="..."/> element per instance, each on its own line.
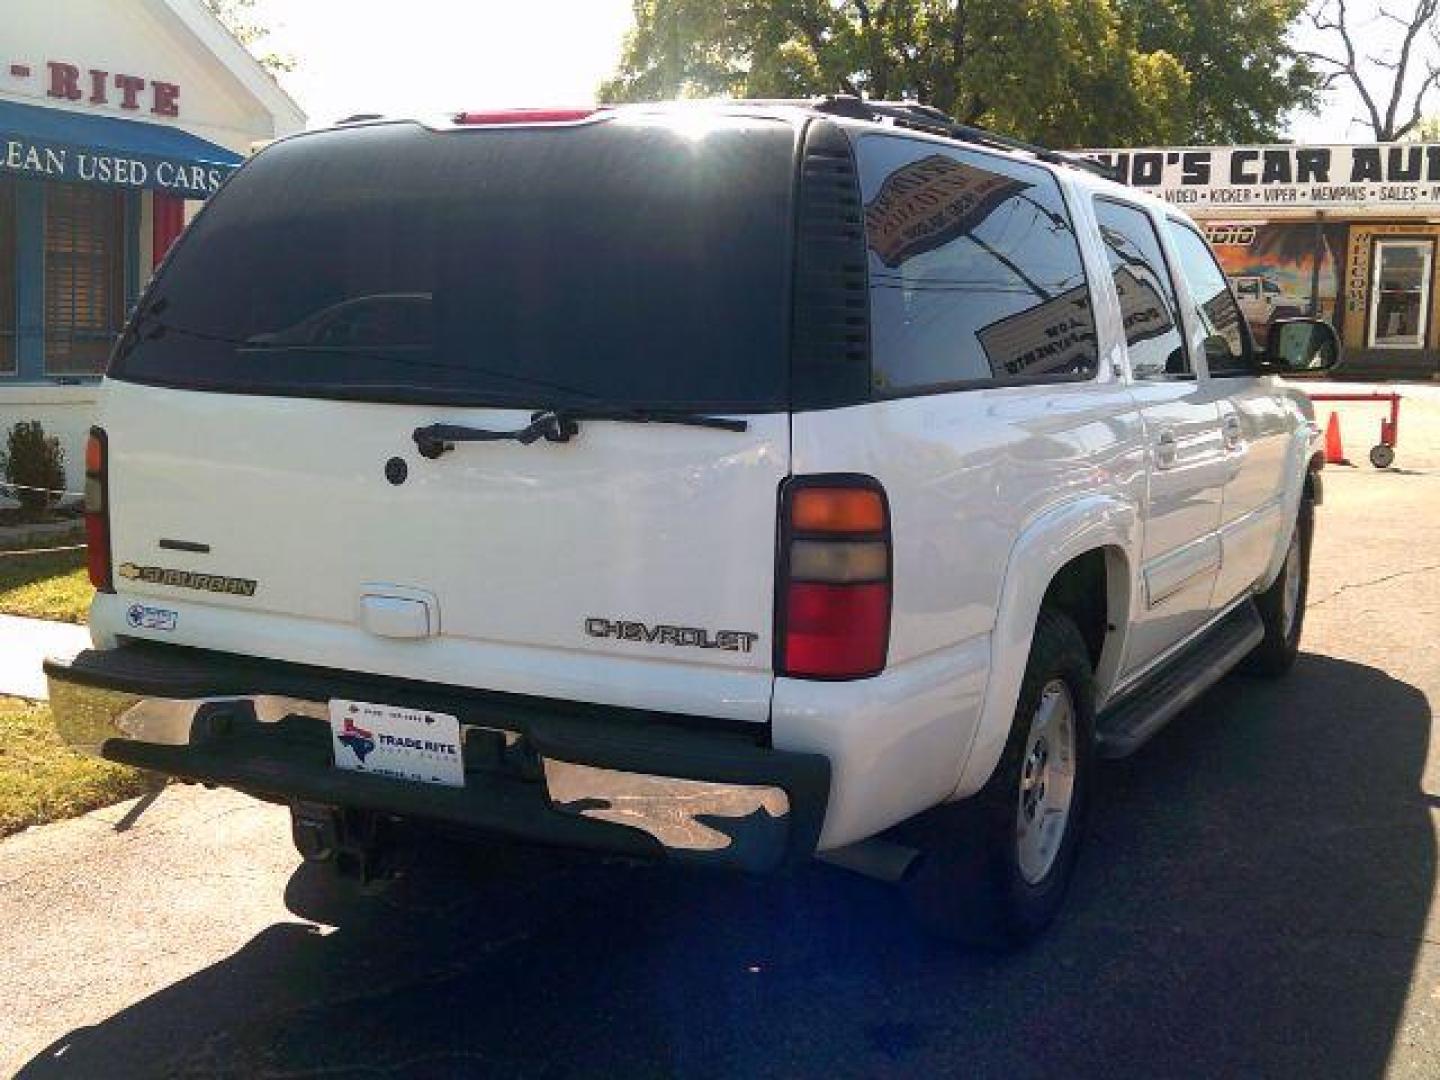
<point x="562" y="773"/>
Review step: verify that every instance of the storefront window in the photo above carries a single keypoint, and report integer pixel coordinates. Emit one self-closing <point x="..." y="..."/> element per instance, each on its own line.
<point x="84" y="277"/>
<point x="8" y="297"/>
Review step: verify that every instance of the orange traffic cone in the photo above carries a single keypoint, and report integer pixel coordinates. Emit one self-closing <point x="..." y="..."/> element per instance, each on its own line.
<point x="1334" y="453"/>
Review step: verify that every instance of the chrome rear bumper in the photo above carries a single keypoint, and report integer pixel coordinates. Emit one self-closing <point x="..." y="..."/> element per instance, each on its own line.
<point x="610" y="782"/>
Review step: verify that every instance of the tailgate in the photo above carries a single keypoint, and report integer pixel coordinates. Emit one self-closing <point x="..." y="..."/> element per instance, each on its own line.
<point x="649" y="545"/>
<point x="349" y="287"/>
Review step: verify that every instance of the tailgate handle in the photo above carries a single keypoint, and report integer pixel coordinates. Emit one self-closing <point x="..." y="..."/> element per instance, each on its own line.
<point x="399" y="616"/>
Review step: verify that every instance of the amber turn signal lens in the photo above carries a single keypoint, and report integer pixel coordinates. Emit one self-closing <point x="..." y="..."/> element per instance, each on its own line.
<point x="94" y="455"/>
<point x="837" y="510"/>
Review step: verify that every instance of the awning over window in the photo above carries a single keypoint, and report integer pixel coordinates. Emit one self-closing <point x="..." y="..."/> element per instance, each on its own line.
<point x="58" y="144"/>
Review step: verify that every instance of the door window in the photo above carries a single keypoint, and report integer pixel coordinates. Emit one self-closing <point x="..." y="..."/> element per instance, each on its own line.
<point x="1400" y="294"/>
<point x="975" y="271"/>
<point x="1146" y="293"/>
<point x="1227" y="344"/>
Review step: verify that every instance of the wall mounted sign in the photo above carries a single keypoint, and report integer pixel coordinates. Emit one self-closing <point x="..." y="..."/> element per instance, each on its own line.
<point x="1381" y="177"/>
<point x="97" y="86"/>
<point x="77" y="164"/>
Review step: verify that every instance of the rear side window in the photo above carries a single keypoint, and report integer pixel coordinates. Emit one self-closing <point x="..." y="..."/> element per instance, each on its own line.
<point x="1146" y="293"/>
<point x="633" y="261"/>
<point x="975" y="271"/>
<point x="1227" y="343"/>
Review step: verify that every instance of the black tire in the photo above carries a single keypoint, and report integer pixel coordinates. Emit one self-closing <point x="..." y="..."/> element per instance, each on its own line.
<point x="1276" y="653"/>
<point x="968" y="885"/>
<point x="1382" y="455"/>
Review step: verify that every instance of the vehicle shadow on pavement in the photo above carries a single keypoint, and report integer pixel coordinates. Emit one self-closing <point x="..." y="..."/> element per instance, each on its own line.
<point x="1251" y="903"/>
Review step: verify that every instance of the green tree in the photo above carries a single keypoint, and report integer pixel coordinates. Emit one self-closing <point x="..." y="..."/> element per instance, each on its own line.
<point x="34" y="463"/>
<point x="1244" y="75"/>
<point x="1066" y="72"/>
<point x="238" y="16"/>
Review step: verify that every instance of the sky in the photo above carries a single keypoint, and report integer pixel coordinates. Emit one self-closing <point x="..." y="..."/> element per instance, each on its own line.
<point x="423" y="57"/>
<point x="426" y="57"/>
<point x="1338" y="120"/>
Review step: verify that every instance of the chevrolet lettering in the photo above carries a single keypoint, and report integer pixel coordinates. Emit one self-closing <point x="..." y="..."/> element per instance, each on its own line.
<point x="660" y="634"/>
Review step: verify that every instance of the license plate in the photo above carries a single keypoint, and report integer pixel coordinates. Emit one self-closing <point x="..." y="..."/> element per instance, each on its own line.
<point x="406" y="744"/>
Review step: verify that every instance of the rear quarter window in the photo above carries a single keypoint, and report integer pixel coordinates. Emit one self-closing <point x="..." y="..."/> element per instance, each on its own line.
<point x="975" y="271"/>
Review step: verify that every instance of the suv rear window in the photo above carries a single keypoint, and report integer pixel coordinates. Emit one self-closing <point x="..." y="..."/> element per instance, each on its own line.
<point x="635" y="261"/>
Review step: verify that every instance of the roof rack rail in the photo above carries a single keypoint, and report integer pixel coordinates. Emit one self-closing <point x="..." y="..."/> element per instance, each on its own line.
<point x="912" y="114"/>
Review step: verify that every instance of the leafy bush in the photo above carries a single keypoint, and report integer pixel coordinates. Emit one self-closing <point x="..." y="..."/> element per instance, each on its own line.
<point x="32" y="459"/>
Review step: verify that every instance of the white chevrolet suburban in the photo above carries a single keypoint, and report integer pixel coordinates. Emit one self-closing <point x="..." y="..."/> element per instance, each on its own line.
<point x="737" y="483"/>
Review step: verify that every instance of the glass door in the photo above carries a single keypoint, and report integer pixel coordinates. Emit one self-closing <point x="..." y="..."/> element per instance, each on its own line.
<point x="1400" y="293"/>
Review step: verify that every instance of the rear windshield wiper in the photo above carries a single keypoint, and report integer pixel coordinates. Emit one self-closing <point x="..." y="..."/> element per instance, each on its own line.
<point x="559" y="425"/>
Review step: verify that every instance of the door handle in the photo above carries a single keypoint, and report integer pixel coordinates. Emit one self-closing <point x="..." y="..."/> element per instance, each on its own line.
<point x="1167" y="450"/>
<point x="1234" y="436"/>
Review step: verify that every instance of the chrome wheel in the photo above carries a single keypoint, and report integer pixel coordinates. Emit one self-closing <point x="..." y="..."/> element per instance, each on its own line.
<point x="1290" y="598"/>
<point x="1047" y="782"/>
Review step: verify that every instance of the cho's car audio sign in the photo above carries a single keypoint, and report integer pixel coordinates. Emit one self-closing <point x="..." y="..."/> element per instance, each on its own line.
<point x="1381" y="178"/>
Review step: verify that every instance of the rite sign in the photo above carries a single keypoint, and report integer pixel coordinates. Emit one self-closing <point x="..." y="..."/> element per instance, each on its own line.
<point x="96" y="86"/>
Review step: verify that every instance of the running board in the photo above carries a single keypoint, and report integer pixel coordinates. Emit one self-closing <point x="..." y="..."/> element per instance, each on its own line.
<point x="1129" y="723"/>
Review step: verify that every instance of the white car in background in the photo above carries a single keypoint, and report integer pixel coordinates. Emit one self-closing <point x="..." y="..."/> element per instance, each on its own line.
<point x="1262" y="301"/>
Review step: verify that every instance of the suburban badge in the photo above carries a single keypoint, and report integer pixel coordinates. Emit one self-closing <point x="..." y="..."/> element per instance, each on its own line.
<point x="187" y="579"/>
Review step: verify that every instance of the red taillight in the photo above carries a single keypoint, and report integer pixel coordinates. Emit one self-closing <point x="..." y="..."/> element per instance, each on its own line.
<point x="833" y="616"/>
<point x="97" y="510"/>
<point x="526" y="116"/>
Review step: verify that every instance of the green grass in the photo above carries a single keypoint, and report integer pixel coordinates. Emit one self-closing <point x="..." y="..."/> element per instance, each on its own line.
<point x="43" y="780"/>
<point x="48" y="586"/>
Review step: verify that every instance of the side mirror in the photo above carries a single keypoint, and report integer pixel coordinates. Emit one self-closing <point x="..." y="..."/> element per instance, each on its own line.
<point x="1299" y="346"/>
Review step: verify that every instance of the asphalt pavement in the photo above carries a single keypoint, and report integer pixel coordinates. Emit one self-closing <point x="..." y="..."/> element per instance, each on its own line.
<point x="1255" y="900"/>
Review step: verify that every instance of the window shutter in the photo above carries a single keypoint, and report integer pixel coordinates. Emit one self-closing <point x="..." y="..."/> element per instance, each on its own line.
<point x="169" y="222"/>
<point x="84" y="277"/>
